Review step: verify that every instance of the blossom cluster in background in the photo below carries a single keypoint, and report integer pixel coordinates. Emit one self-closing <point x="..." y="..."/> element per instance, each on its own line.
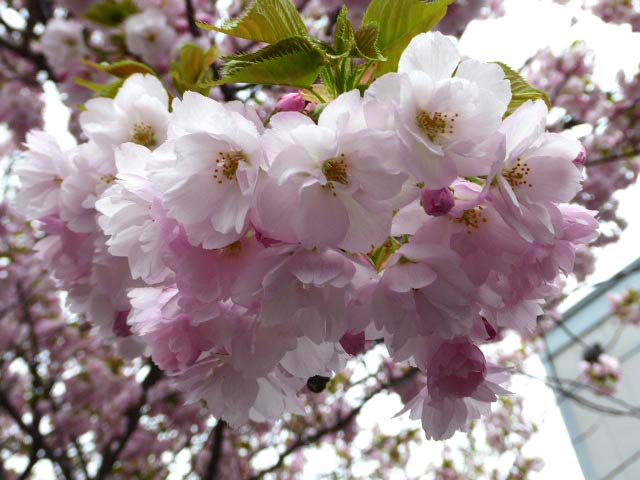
<point x="602" y="373"/>
<point x="247" y="260"/>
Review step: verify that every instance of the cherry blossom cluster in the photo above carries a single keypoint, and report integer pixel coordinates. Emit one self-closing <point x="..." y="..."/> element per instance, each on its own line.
<point x="57" y="376"/>
<point x="249" y="259"/>
<point x="603" y="373"/>
<point x="626" y="306"/>
<point x="611" y="144"/>
<point x="617" y="11"/>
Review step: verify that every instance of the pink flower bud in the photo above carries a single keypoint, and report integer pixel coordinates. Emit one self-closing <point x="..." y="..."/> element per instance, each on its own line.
<point x="456" y="370"/>
<point x="353" y="343"/>
<point x="581" y="160"/>
<point x="120" y="326"/>
<point x="291" y="102"/>
<point x="437" y="202"/>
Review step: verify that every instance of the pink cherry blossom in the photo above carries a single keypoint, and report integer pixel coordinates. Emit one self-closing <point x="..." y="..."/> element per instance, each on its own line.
<point x="41" y="173"/>
<point x="207" y="172"/>
<point x="460" y="387"/>
<point x="433" y="112"/>
<point x="138" y="113"/>
<point x="330" y="184"/>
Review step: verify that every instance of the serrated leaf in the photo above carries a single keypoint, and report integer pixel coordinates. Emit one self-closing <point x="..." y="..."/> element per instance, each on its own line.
<point x="123" y="68"/>
<point x="111" y="13"/>
<point x="267" y="21"/>
<point x="192" y="71"/>
<point x="293" y="62"/>
<point x="344" y="36"/>
<point x="398" y="22"/>
<point x="366" y="39"/>
<point x="109" y="90"/>
<point x="521" y="90"/>
<point x="319" y="89"/>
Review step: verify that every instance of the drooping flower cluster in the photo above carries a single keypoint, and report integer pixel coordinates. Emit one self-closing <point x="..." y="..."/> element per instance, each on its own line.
<point x="247" y="259"/>
<point x="603" y="374"/>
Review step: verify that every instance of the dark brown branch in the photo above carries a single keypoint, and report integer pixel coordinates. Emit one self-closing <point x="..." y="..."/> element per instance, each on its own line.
<point x="340" y="424"/>
<point x="216" y="450"/>
<point x="191" y="18"/>
<point x="39" y="61"/>
<point x="114" y="449"/>
<point x="33" y="459"/>
<point x="40" y="389"/>
<point x="38" y="440"/>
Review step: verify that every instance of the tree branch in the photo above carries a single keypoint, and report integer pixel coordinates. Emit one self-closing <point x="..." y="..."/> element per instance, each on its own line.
<point x="37" y="59"/>
<point x="38" y="440"/>
<point x="193" y="28"/>
<point x="216" y="450"/>
<point x="111" y="455"/>
<point x="340" y="424"/>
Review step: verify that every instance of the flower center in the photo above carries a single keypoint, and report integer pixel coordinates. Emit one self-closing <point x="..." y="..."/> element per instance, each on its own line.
<point x="517" y="175"/>
<point x="108" y="179"/>
<point x="233" y="249"/>
<point x="472" y="218"/>
<point x="144" y="135"/>
<point x="335" y="171"/>
<point x="227" y="165"/>
<point x="437" y="124"/>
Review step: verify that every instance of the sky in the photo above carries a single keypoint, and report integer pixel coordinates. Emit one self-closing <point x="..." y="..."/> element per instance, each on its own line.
<point x="527" y="26"/>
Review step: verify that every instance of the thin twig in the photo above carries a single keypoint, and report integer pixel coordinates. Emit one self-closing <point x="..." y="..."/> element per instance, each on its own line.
<point x="340" y="424"/>
<point x="216" y="450"/>
<point x="191" y="18"/>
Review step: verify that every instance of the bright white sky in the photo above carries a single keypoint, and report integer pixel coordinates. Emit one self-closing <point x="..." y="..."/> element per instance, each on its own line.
<point x="527" y="26"/>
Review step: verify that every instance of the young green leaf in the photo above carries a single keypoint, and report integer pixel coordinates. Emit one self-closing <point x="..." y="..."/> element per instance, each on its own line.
<point x="108" y="90"/>
<point x="111" y="13"/>
<point x="294" y="62"/>
<point x="344" y="36"/>
<point x="123" y="68"/>
<point x="192" y="71"/>
<point x="521" y="90"/>
<point x="366" y="39"/>
<point x="398" y="22"/>
<point x="267" y="21"/>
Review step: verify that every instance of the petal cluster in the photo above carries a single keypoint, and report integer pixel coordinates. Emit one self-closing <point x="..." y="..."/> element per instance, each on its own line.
<point x="247" y="259"/>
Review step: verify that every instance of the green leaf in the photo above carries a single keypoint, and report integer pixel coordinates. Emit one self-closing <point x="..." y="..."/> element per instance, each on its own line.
<point x="319" y="89"/>
<point x="344" y="37"/>
<point x="111" y="13"/>
<point x="192" y="71"/>
<point x="521" y="90"/>
<point x="379" y="256"/>
<point x="267" y="21"/>
<point x="109" y="90"/>
<point x="399" y="21"/>
<point x="366" y="39"/>
<point x="123" y="68"/>
<point x="293" y="62"/>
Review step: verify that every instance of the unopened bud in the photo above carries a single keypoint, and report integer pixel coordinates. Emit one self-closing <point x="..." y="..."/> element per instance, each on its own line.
<point x="291" y="102"/>
<point x="437" y="202"/>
